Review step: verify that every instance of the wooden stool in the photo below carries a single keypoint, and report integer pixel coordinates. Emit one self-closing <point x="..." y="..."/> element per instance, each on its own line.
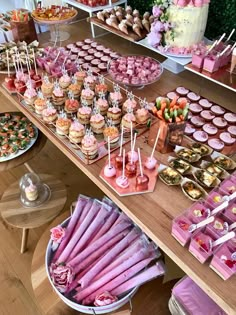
<point x="151" y="299"/>
<point x="16" y="215"/>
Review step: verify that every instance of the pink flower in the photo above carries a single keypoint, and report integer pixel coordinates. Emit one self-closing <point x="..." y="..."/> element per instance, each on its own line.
<point x="167" y="26"/>
<point x="62" y="276"/>
<point x="154" y="39"/>
<point x="105" y="299"/>
<point x="156" y="11"/>
<point x="57" y="234"/>
<point x="158" y="27"/>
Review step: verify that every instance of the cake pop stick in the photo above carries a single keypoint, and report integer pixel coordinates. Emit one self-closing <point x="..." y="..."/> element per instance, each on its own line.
<point x="35" y="67"/>
<point x="21" y="67"/>
<point x="8" y="68"/>
<point x="121" y="140"/>
<point x="230" y="35"/>
<point x="212" y="46"/>
<point x="27" y="53"/>
<point x="58" y="54"/>
<point x="123" y="167"/>
<point x="109" y="152"/>
<point x="134" y="157"/>
<point x="131" y="135"/>
<point x="232" y="48"/>
<point x="140" y="162"/>
<point x="156" y="141"/>
<point x="14" y="63"/>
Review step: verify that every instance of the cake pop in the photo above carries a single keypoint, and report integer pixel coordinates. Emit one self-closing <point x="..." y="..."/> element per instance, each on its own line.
<point x="133" y="154"/>
<point x="109" y="170"/>
<point x="142" y="180"/>
<point x="122" y="181"/>
<point x="151" y="162"/>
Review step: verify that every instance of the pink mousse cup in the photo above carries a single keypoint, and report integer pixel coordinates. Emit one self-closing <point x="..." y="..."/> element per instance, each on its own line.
<point x="224" y="262"/>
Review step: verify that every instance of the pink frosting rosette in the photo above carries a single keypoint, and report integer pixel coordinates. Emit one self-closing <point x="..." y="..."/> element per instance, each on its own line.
<point x="62" y="276"/>
<point x="105" y="299"/>
<point x="57" y="234"/>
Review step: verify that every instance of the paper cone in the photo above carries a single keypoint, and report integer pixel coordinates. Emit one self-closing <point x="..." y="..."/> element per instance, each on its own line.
<point x="123" y="28"/>
<point x="146" y="25"/>
<point x="137" y="30"/>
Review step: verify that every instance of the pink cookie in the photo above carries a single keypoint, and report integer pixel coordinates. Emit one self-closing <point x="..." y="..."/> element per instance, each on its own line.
<point x="86" y="47"/>
<point x="197" y="121"/>
<point x="189" y="129"/>
<point x="79" y="44"/>
<point x="226" y="138"/>
<point x="88" y="58"/>
<point x="102" y="66"/>
<point x="200" y="136"/>
<point x="217" y="110"/>
<point x="205" y="103"/>
<point x="193" y="96"/>
<point x="207" y="115"/>
<point x="95" y="62"/>
<point x="195" y="108"/>
<point x="220" y="122"/>
<point x="210" y="129"/>
<point x="232" y="131"/>
<point x="216" y="144"/>
<point x="182" y="90"/>
<point x="230" y="118"/>
<point x="172" y="95"/>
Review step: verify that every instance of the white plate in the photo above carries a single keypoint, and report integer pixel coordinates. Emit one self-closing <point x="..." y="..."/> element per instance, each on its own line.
<point x="19" y="152"/>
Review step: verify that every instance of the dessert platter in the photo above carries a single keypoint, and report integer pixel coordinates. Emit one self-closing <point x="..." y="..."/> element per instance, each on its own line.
<point x="208" y="122"/>
<point x="130" y="173"/>
<point x="12" y="52"/>
<point x="127" y="22"/>
<point x="208" y="228"/>
<point x="86" y="53"/>
<point x="83" y="111"/>
<point x="103" y="275"/>
<point x="17" y="135"/>
<point x="54" y="14"/>
<point x="135" y="70"/>
<point x="178" y="26"/>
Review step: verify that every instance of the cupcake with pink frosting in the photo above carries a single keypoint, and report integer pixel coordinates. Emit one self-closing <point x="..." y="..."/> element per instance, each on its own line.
<point x="114" y="114"/>
<point x="130" y="103"/>
<point x="84" y="114"/>
<point x="116" y="96"/>
<point x="30" y="95"/>
<point x="58" y="95"/>
<point x="103" y="106"/>
<point x="89" y="146"/>
<point x="65" y="80"/>
<point x="31" y="192"/>
<point x="76" y="132"/>
<point x="97" y="123"/>
<point x="49" y="115"/>
<point x="87" y="95"/>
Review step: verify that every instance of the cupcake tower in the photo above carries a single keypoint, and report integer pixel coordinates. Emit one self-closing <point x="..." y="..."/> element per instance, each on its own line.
<point x="129" y="173"/>
<point x="208" y="123"/>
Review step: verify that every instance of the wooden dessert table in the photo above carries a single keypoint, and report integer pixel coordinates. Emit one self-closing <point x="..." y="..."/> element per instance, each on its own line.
<point x="16" y="215"/>
<point x="147" y="300"/>
<point x="154" y="212"/>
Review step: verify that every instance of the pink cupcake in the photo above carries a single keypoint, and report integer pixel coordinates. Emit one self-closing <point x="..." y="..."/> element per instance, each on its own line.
<point x="230" y="118"/>
<point x="220" y="122"/>
<point x="207" y="115"/>
<point x="189" y="129"/>
<point x="193" y="96"/>
<point x="200" y="136"/>
<point x="182" y="91"/>
<point x="217" y="110"/>
<point x="197" y="121"/>
<point x="232" y="131"/>
<point x="226" y="138"/>
<point x="205" y="103"/>
<point x="216" y="144"/>
<point x="210" y="129"/>
<point x="195" y="108"/>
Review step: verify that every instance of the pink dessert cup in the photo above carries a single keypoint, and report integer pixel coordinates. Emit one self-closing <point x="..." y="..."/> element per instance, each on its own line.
<point x="217" y="228"/>
<point x="215" y="198"/>
<point x="232" y="244"/>
<point x="229" y="213"/>
<point x="228" y="186"/>
<point x="211" y="64"/>
<point x="198" y="60"/>
<point x="200" y="246"/>
<point x="40" y="62"/>
<point x="223" y="263"/>
<point x="180" y="229"/>
<point x="198" y="212"/>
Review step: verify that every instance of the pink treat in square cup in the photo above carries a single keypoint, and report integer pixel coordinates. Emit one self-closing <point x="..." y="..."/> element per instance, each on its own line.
<point x="200" y="246"/>
<point x="198" y="212"/>
<point x="180" y="229"/>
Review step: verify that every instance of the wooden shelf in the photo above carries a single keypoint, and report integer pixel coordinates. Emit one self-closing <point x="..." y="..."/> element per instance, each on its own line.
<point x="153" y="213"/>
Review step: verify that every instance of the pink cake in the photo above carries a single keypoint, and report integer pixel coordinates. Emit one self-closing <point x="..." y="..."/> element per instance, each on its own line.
<point x="205" y="103"/>
<point x="227" y="138"/>
<point x="216" y="144"/>
<point x="217" y="228"/>
<point x="229" y="213"/>
<point x="232" y="131"/>
<point x="210" y="129"/>
<point x="220" y="122"/>
<point x="211" y="63"/>
<point x="215" y="198"/>
<point x="200" y="136"/>
<point x="223" y="262"/>
<point x="217" y="110"/>
<point x="189" y="129"/>
<point x="228" y="187"/>
<point x="198" y="212"/>
<point x="197" y="121"/>
<point x="195" y="108"/>
<point x="230" y="118"/>
<point x="198" y="59"/>
<point x="207" y="115"/>
<point x="180" y="229"/>
<point x="182" y="91"/>
<point x="200" y="246"/>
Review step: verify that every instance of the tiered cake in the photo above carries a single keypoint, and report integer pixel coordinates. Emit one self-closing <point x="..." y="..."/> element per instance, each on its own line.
<point x="179" y="25"/>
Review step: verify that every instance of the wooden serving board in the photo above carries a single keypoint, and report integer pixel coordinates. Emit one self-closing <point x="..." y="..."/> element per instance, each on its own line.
<point x="132" y="36"/>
